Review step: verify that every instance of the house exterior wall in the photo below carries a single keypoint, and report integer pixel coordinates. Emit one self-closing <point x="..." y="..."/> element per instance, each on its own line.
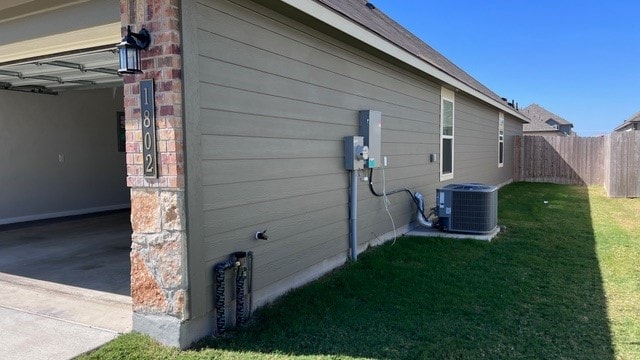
<point x="477" y="140"/>
<point x="565" y="129"/>
<point x="268" y="102"/>
<point x="60" y="154"/>
<point x="258" y="105"/>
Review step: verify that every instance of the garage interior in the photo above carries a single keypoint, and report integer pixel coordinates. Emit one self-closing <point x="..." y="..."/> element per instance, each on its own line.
<point x="65" y="231"/>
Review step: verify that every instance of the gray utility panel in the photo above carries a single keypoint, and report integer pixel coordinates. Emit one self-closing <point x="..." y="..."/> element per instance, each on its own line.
<point x="355" y="153"/>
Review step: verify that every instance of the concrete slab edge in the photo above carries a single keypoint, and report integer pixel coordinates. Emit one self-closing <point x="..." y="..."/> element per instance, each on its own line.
<point x="429" y="232"/>
<point x="46" y="216"/>
<point x="66" y="289"/>
<point x="59" y="319"/>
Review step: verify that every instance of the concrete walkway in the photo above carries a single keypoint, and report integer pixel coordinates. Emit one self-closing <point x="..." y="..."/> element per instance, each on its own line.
<point x="41" y="320"/>
<point x="63" y="286"/>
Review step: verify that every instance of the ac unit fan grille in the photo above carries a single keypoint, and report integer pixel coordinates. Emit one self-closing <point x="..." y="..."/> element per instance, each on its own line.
<point x="474" y="211"/>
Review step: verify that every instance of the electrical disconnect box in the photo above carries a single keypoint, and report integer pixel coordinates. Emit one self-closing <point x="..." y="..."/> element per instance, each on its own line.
<point x="371" y="131"/>
<point x="355" y="153"/>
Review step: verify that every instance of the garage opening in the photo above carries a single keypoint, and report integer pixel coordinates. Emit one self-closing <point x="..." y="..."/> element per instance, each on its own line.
<point x="64" y="203"/>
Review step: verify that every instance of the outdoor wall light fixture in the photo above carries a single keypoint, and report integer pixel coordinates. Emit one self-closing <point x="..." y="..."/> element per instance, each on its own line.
<point x="129" y="50"/>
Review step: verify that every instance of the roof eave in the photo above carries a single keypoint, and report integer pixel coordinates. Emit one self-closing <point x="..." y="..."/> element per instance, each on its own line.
<point x="622" y="126"/>
<point x="357" y="31"/>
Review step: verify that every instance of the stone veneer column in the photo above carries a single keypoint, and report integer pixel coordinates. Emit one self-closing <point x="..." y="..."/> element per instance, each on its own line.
<point x="158" y="252"/>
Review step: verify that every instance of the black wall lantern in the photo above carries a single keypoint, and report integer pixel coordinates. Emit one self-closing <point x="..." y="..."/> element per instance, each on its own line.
<point x="129" y="50"/>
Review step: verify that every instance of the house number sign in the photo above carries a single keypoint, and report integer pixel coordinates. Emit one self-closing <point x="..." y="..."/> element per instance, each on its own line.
<point x="147" y="110"/>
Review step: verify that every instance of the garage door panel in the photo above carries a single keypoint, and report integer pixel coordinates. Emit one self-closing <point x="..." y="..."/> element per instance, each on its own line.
<point x="47" y="30"/>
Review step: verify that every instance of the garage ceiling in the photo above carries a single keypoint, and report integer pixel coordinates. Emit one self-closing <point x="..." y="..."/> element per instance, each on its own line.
<point x="50" y="75"/>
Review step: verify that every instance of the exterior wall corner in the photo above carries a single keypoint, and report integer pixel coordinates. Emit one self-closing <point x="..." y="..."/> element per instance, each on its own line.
<point x="159" y="282"/>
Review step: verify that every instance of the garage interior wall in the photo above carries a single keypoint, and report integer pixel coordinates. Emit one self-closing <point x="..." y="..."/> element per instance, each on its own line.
<point x="60" y="154"/>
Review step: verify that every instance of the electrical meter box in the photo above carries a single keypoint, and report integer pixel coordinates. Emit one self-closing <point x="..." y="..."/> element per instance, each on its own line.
<point x="371" y="131"/>
<point x="355" y="153"/>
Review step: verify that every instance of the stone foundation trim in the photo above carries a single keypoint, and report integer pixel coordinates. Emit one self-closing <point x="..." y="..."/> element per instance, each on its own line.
<point x="158" y="252"/>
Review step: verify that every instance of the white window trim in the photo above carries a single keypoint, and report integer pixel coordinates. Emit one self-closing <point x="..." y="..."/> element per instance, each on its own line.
<point x="501" y="140"/>
<point x="449" y="95"/>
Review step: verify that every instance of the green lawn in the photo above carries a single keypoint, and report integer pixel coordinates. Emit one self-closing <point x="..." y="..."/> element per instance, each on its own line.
<point x="561" y="281"/>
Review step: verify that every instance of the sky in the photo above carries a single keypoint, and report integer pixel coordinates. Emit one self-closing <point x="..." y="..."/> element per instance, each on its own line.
<point x="577" y="59"/>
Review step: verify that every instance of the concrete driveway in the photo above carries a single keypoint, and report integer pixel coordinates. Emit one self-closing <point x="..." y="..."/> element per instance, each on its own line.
<point x="64" y="286"/>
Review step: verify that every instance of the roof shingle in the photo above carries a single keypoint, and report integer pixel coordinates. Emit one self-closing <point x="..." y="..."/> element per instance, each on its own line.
<point x="539" y="116"/>
<point x="633" y="119"/>
<point x="376" y="21"/>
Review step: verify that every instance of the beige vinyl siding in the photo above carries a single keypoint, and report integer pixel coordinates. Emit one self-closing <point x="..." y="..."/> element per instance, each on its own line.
<point x="476" y="143"/>
<point x="274" y="101"/>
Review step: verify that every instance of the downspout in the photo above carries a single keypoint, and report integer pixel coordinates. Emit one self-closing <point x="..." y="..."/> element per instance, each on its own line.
<point x="353" y="215"/>
<point x="420" y="216"/>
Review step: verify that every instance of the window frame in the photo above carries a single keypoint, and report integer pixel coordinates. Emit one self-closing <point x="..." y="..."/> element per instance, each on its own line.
<point x="447" y="95"/>
<point x="500" y="139"/>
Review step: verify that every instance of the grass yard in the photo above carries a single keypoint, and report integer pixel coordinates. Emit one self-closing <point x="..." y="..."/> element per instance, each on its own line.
<point x="562" y="280"/>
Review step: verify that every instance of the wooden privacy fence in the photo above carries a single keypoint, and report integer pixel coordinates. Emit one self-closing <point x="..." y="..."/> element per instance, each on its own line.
<point x="622" y="164"/>
<point x="612" y="161"/>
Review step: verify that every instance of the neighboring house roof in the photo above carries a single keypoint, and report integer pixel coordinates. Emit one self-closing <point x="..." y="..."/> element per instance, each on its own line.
<point x="537" y="126"/>
<point x="540" y="119"/>
<point x="366" y="15"/>
<point x="629" y="123"/>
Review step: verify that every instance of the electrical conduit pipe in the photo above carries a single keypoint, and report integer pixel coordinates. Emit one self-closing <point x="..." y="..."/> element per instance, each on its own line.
<point x="420" y="218"/>
<point x="353" y="215"/>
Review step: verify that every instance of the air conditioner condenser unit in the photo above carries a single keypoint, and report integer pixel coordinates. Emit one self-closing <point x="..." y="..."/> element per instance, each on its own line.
<point x="467" y="208"/>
